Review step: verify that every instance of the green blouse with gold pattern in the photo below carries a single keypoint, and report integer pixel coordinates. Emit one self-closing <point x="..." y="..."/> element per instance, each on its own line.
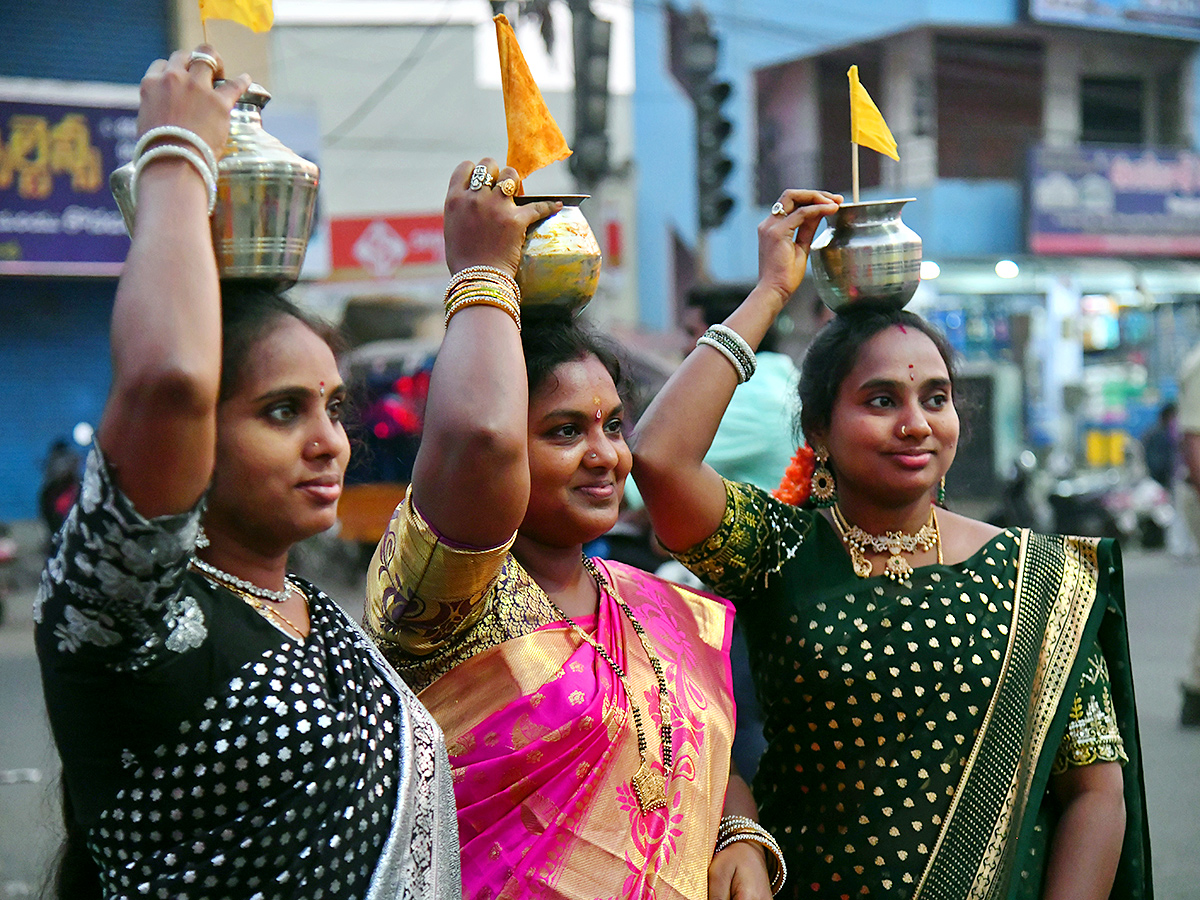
<point x="874" y="692"/>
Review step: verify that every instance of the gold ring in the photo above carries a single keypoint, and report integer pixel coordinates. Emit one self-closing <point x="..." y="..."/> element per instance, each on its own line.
<point x="207" y="58"/>
<point x="508" y="187"/>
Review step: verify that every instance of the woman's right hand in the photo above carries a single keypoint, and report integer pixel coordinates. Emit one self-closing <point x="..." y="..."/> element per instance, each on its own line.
<point x="484" y="226"/>
<point x="180" y="91"/>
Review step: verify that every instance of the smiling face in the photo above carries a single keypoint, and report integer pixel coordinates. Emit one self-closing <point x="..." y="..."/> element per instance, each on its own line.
<point x="281" y="446"/>
<point x="578" y="458"/>
<point x="893" y="430"/>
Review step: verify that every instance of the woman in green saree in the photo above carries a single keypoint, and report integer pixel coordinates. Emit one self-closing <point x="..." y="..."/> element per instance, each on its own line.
<point x="949" y="708"/>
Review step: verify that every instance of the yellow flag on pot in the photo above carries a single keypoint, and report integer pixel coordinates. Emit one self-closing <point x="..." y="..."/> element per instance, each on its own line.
<point x="534" y="138"/>
<point x="254" y="14"/>
<point x="867" y="127"/>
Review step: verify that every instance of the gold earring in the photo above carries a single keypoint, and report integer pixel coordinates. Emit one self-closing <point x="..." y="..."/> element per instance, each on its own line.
<point x="824" y="487"/>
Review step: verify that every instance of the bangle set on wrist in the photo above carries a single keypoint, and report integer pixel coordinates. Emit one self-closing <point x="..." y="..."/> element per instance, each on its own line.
<point x="741" y="828"/>
<point x="733" y="347"/>
<point x="204" y="161"/>
<point x="483" y="286"/>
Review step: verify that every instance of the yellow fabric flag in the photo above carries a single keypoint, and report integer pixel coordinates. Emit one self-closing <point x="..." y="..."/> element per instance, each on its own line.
<point x="534" y="138"/>
<point x="256" y="15"/>
<point x="867" y="127"/>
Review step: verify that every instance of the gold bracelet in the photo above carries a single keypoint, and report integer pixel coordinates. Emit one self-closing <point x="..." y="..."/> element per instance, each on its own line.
<point x="461" y="296"/>
<point x="741" y="828"/>
<point x="482" y="299"/>
<point x="486" y="274"/>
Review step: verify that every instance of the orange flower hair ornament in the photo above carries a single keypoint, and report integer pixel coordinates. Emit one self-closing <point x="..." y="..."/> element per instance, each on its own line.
<point x="797" y="480"/>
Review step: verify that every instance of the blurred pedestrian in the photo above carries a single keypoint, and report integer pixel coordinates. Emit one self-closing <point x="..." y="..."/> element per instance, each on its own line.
<point x="1160" y="445"/>
<point x="61" y="471"/>
<point x="1189" y="504"/>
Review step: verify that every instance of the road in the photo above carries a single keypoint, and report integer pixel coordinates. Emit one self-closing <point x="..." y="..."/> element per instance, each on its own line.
<point x="1162" y="598"/>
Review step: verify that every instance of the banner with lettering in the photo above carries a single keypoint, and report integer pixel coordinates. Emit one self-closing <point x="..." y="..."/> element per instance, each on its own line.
<point x="382" y="247"/>
<point x="57" y="214"/>
<point x="1114" y="201"/>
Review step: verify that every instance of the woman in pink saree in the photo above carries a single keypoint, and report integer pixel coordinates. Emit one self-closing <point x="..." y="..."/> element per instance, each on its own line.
<point x="586" y="705"/>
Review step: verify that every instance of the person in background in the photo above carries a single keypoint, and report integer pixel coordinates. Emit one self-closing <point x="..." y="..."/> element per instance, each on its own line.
<point x="1160" y="446"/>
<point x="60" y="484"/>
<point x="225" y="729"/>
<point x="1188" y="497"/>
<point x="949" y="707"/>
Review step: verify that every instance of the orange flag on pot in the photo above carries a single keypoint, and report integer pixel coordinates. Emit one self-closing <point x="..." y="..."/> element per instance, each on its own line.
<point x="867" y="127"/>
<point x="256" y="15"/>
<point x="534" y="138"/>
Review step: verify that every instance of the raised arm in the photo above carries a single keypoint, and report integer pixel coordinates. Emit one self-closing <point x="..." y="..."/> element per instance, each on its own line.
<point x="471" y="475"/>
<point x="685" y="497"/>
<point x="158" y="431"/>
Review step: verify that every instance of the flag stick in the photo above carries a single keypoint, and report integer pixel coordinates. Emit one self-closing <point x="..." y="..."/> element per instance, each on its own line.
<point x="854" y="167"/>
<point x="204" y="29"/>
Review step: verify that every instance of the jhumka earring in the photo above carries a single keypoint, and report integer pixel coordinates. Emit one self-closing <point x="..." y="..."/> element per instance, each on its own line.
<point x="941" y="494"/>
<point x="824" y="488"/>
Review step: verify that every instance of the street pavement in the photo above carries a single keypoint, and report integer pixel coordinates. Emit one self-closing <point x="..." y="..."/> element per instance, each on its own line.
<point x="1163" y="599"/>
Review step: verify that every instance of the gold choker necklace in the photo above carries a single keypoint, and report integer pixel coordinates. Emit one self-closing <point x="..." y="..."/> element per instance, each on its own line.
<point x="894" y="543"/>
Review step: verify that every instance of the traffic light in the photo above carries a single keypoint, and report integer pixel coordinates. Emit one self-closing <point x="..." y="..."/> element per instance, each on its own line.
<point x="592" y="38"/>
<point x="697" y="65"/>
<point x="713" y="165"/>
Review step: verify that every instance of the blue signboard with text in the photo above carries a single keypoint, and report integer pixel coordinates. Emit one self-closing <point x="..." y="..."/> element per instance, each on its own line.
<point x="1114" y="201"/>
<point x="1165" y="18"/>
<point x="57" y="214"/>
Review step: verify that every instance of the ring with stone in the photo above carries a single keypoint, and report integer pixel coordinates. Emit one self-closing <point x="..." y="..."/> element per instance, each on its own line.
<point x="479" y="177"/>
<point x="207" y="58"/>
<point x="777" y="209"/>
<point x="508" y="187"/>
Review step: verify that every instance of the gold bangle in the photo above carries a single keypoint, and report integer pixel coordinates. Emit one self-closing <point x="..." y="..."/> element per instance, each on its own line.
<point x="464" y="297"/>
<point x="484" y="273"/>
<point x="741" y="828"/>
<point x="484" y="300"/>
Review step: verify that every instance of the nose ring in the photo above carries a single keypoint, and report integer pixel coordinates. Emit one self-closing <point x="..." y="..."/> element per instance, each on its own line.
<point x="904" y="431"/>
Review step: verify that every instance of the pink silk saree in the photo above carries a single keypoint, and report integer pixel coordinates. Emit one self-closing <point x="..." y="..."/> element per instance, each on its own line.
<point x="543" y="748"/>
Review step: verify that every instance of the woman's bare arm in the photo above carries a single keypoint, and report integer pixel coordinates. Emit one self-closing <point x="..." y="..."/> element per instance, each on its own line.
<point x="158" y="430"/>
<point x="471" y="475"/>
<point x="1086" y="846"/>
<point x="684" y="496"/>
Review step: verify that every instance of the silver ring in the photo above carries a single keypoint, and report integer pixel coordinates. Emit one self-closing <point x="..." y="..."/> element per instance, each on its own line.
<point x="489" y="181"/>
<point x="479" y="177"/>
<point x="207" y="58"/>
<point x="777" y="209"/>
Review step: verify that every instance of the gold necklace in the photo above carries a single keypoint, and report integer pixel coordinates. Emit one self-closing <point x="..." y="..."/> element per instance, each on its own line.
<point x="649" y="787"/>
<point x="268" y="612"/>
<point x="893" y="543"/>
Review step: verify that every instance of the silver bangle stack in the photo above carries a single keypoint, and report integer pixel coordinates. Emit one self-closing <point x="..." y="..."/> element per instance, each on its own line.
<point x="486" y="286"/>
<point x="204" y="161"/>
<point x="733" y="347"/>
<point x="740" y="828"/>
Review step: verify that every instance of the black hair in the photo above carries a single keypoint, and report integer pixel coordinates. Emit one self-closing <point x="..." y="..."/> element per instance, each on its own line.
<point x="551" y="336"/>
<point x="249" y="310"/>
<point x="74" y="875"/>
<point x="834" y="352"/>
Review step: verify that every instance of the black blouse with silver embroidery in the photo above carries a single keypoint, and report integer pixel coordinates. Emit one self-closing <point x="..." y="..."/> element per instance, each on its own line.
<point x="206" y="753"/>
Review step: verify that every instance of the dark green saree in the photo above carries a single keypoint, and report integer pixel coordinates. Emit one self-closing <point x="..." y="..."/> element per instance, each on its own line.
<point x="912" y="727"/>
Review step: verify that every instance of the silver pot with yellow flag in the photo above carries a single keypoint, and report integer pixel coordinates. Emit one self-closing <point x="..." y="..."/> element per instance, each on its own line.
<point x="867" y="255"/>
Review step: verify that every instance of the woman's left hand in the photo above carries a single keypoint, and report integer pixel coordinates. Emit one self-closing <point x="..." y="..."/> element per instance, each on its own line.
<point x="739" y="872"/>
<point x="784" y="240"/>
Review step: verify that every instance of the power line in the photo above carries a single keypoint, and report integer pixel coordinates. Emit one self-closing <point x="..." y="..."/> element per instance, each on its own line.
<point x="389" y="84"/>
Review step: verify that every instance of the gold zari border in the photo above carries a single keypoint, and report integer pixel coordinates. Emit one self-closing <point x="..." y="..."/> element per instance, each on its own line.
<point x="1056" y="589"/>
